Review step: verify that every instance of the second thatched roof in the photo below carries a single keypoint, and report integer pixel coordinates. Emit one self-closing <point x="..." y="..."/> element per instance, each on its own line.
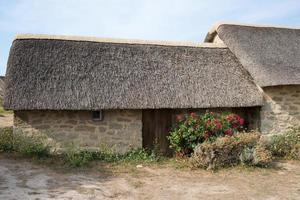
<point x="270" y="54"/>
<point x="59" y="73"/>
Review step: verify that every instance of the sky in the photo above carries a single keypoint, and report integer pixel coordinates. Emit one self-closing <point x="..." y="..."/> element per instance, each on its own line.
<point x="174" y="20"/>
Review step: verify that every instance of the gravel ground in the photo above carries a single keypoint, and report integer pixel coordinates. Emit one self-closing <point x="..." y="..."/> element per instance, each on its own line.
<point x="23" y="179"/>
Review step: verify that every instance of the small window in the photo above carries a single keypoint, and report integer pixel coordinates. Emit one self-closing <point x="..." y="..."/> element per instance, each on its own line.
<point x="97" y="115"/>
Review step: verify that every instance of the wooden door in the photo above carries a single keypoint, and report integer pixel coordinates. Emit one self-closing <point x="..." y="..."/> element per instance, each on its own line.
<point x="156" y="126"/>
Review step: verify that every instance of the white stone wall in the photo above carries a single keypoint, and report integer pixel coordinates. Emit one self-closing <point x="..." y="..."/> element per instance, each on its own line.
<point x="281" y="110"/>
<point x="120" y="129"/>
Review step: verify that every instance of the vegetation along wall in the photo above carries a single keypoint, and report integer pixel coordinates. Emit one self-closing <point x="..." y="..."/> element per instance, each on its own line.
<point x="281" y="110"/>
<point x="120" y="129"/>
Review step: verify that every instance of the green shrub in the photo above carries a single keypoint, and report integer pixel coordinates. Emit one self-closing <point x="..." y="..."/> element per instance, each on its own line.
<point x="6" y="139"/>
<point x="228" y="151"/>
<point x="286" y="145"/>
<point x="105" y="153"/>
<point x="31" y="145"/>
<point x="192" y="129"/>
<point x="139" y="154"/>
<point x="77" y="157"/>
<point x="34" y="145"/>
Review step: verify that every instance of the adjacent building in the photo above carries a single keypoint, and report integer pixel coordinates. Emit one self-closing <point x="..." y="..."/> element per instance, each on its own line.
<point x="272" y="56"/>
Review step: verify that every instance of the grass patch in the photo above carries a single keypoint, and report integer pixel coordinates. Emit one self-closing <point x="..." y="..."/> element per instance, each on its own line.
<point x="23" y="144"/>
<point x="38" y="145"/>
<point x="31" y="145"/>
<point x="77" y="157"/>
<point x="245" y="148"/>
<point x="2" y="111"/>
<point x="6" y="140"/>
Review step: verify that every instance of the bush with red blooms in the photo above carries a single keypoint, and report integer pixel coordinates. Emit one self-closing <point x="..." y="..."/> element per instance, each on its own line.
<point x="192" y="129"/>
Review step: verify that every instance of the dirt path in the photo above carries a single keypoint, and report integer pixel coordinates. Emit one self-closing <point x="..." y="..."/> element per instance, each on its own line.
<point x="21" y="179"/>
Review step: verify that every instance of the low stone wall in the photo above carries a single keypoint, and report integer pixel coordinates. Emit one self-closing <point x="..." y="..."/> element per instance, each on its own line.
<point x="281" y="110"/>
<point x="120" y="129"/>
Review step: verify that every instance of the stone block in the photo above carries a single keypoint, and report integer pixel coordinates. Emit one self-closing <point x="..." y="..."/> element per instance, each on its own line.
<point x="84" y="128"/>
<point x="114" y="125"/>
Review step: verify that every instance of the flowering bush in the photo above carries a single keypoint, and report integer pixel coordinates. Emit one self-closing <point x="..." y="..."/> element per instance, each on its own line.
<point x="192" y="129"/>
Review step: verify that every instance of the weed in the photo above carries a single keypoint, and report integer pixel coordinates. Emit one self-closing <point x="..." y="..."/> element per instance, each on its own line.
<point x="78" y="158"/>
<point x="286" y="145"/>
<point x="31" y="145"/>
<point x="6" y="139"/>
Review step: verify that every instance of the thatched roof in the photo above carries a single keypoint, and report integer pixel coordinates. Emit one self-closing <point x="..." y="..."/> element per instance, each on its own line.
<point x="78" y="74"/>
<point x="1" y="88"/>
<point x="270" y="54"/>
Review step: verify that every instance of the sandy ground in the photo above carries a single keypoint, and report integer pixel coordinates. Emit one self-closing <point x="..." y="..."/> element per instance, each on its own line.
<point x="24" y="179"/>
<point x="6" y="120"/>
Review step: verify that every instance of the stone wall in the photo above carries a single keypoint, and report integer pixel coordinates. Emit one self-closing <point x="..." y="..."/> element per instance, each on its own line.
<point x="120" y="129"/>
<point x="281" y="110"/>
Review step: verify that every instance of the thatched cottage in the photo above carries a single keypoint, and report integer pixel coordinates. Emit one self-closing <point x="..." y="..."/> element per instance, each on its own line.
<point x="125" y="93"/>
<point x="122" y="93"/>
<point x="272" y="56"/>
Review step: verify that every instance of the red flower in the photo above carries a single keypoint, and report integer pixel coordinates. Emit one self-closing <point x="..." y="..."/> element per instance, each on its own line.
<point x="235" y="120"/>
<point x="242" y="121"/>
<point x="179" y="118"/>
<point x="218" y="124"/>
<point x="193" y="114"/>
<point x="235" y="126"/>
<point x="228" y="132"/>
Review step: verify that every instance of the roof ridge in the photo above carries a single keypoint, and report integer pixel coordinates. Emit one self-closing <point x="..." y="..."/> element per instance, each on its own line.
<point x="218" y="24"/>
<point x="117" y="40"/>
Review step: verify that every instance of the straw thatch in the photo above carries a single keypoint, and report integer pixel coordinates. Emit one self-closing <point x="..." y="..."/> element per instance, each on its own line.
<point x="60" y="74"/>
<point x="1" y="88"/>
<point x="270" y="54"/>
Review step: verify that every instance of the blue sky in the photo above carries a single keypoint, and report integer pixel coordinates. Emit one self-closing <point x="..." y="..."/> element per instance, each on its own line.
<point x="175" y="20"/>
